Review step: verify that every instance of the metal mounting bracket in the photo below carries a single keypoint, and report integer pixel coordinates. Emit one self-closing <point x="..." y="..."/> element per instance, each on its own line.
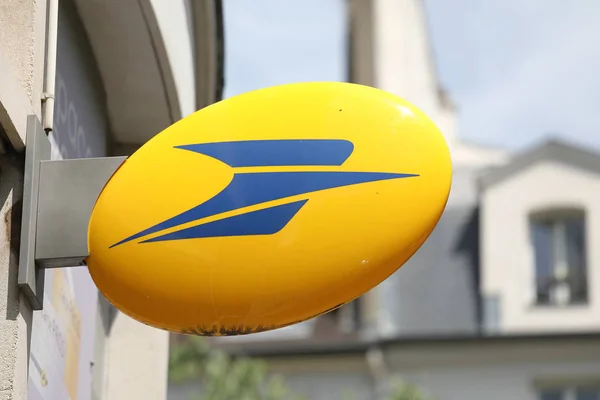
<point x="58" y="199"/>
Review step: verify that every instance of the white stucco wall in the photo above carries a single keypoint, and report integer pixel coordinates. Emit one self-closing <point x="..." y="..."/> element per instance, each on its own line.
<point x="507" y="261"/>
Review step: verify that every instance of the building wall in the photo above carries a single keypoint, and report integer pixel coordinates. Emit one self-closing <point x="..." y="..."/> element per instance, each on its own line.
<point x="508" y="269"/>
<point x="21" y="45"/>
<point x="22" y="36"/>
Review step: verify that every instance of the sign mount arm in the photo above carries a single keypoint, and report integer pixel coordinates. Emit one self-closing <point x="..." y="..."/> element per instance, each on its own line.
<point x="58" y="198"/>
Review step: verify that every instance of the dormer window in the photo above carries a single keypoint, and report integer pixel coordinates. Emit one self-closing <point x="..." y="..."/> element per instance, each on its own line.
<point x="559" y="246"/>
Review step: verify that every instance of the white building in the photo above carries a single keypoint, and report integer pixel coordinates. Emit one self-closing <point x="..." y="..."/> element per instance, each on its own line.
<point x="125" y="70"/>
<point x="502" y="301"/>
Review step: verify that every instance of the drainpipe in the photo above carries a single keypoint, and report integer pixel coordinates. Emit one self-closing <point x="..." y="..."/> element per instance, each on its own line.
<point x="379" y="371"/>
<point x="50" y="67"/>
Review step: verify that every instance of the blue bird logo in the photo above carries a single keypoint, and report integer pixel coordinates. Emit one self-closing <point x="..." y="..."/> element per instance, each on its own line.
<point x="254" y="188"/>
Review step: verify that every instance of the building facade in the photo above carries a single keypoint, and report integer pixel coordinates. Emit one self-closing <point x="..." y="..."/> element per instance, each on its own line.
<point x="124" y="71"/>
<point x="501" y="302"/>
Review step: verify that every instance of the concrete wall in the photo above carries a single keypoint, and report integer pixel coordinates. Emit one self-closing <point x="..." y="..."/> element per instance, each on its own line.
<point x="22" y="41"/>
<point x="21" y="48"/>
<point x="22" y="30"/>
<point x="508" y="269"/>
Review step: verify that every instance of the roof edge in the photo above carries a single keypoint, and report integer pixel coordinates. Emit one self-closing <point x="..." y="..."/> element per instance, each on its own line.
<point x="301" y="349"/>
<point x="550" y="150"/>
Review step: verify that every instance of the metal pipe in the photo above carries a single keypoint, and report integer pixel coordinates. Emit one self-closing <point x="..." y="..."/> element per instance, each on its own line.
<point x="50" y="67"/>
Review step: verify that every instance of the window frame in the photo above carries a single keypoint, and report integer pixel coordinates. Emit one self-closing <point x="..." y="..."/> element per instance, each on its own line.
<point x="557" y="218"/>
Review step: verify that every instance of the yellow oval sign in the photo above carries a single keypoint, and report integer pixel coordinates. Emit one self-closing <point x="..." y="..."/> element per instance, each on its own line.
<point x="268" y="208"/>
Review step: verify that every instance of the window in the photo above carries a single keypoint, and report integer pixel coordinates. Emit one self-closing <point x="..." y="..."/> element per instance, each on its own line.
<point x="559" y="245"/>
<point x="591" y="393"/>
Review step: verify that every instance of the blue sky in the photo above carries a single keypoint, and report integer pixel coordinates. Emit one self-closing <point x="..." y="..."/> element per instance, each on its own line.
<point x="518" y="70"/>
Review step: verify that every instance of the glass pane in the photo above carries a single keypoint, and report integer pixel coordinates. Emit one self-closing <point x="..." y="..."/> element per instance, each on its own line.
<point x="576" y="260"/>
<point x="542" y="245"/>
<point x="553" y="394"/>
<point x="588" y="394"/>
<point x="575" y="232"/>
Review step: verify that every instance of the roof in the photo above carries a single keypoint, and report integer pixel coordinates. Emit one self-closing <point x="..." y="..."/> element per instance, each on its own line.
<point x="551" y="150"/>
<point x="302" y="348"/>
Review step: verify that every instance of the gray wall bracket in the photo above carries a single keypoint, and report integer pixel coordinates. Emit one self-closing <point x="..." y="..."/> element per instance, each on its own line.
<point x="58" y="199"/>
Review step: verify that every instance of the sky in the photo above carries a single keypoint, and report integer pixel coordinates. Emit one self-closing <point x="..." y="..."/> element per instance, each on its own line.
<point x="519" y="71"/>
